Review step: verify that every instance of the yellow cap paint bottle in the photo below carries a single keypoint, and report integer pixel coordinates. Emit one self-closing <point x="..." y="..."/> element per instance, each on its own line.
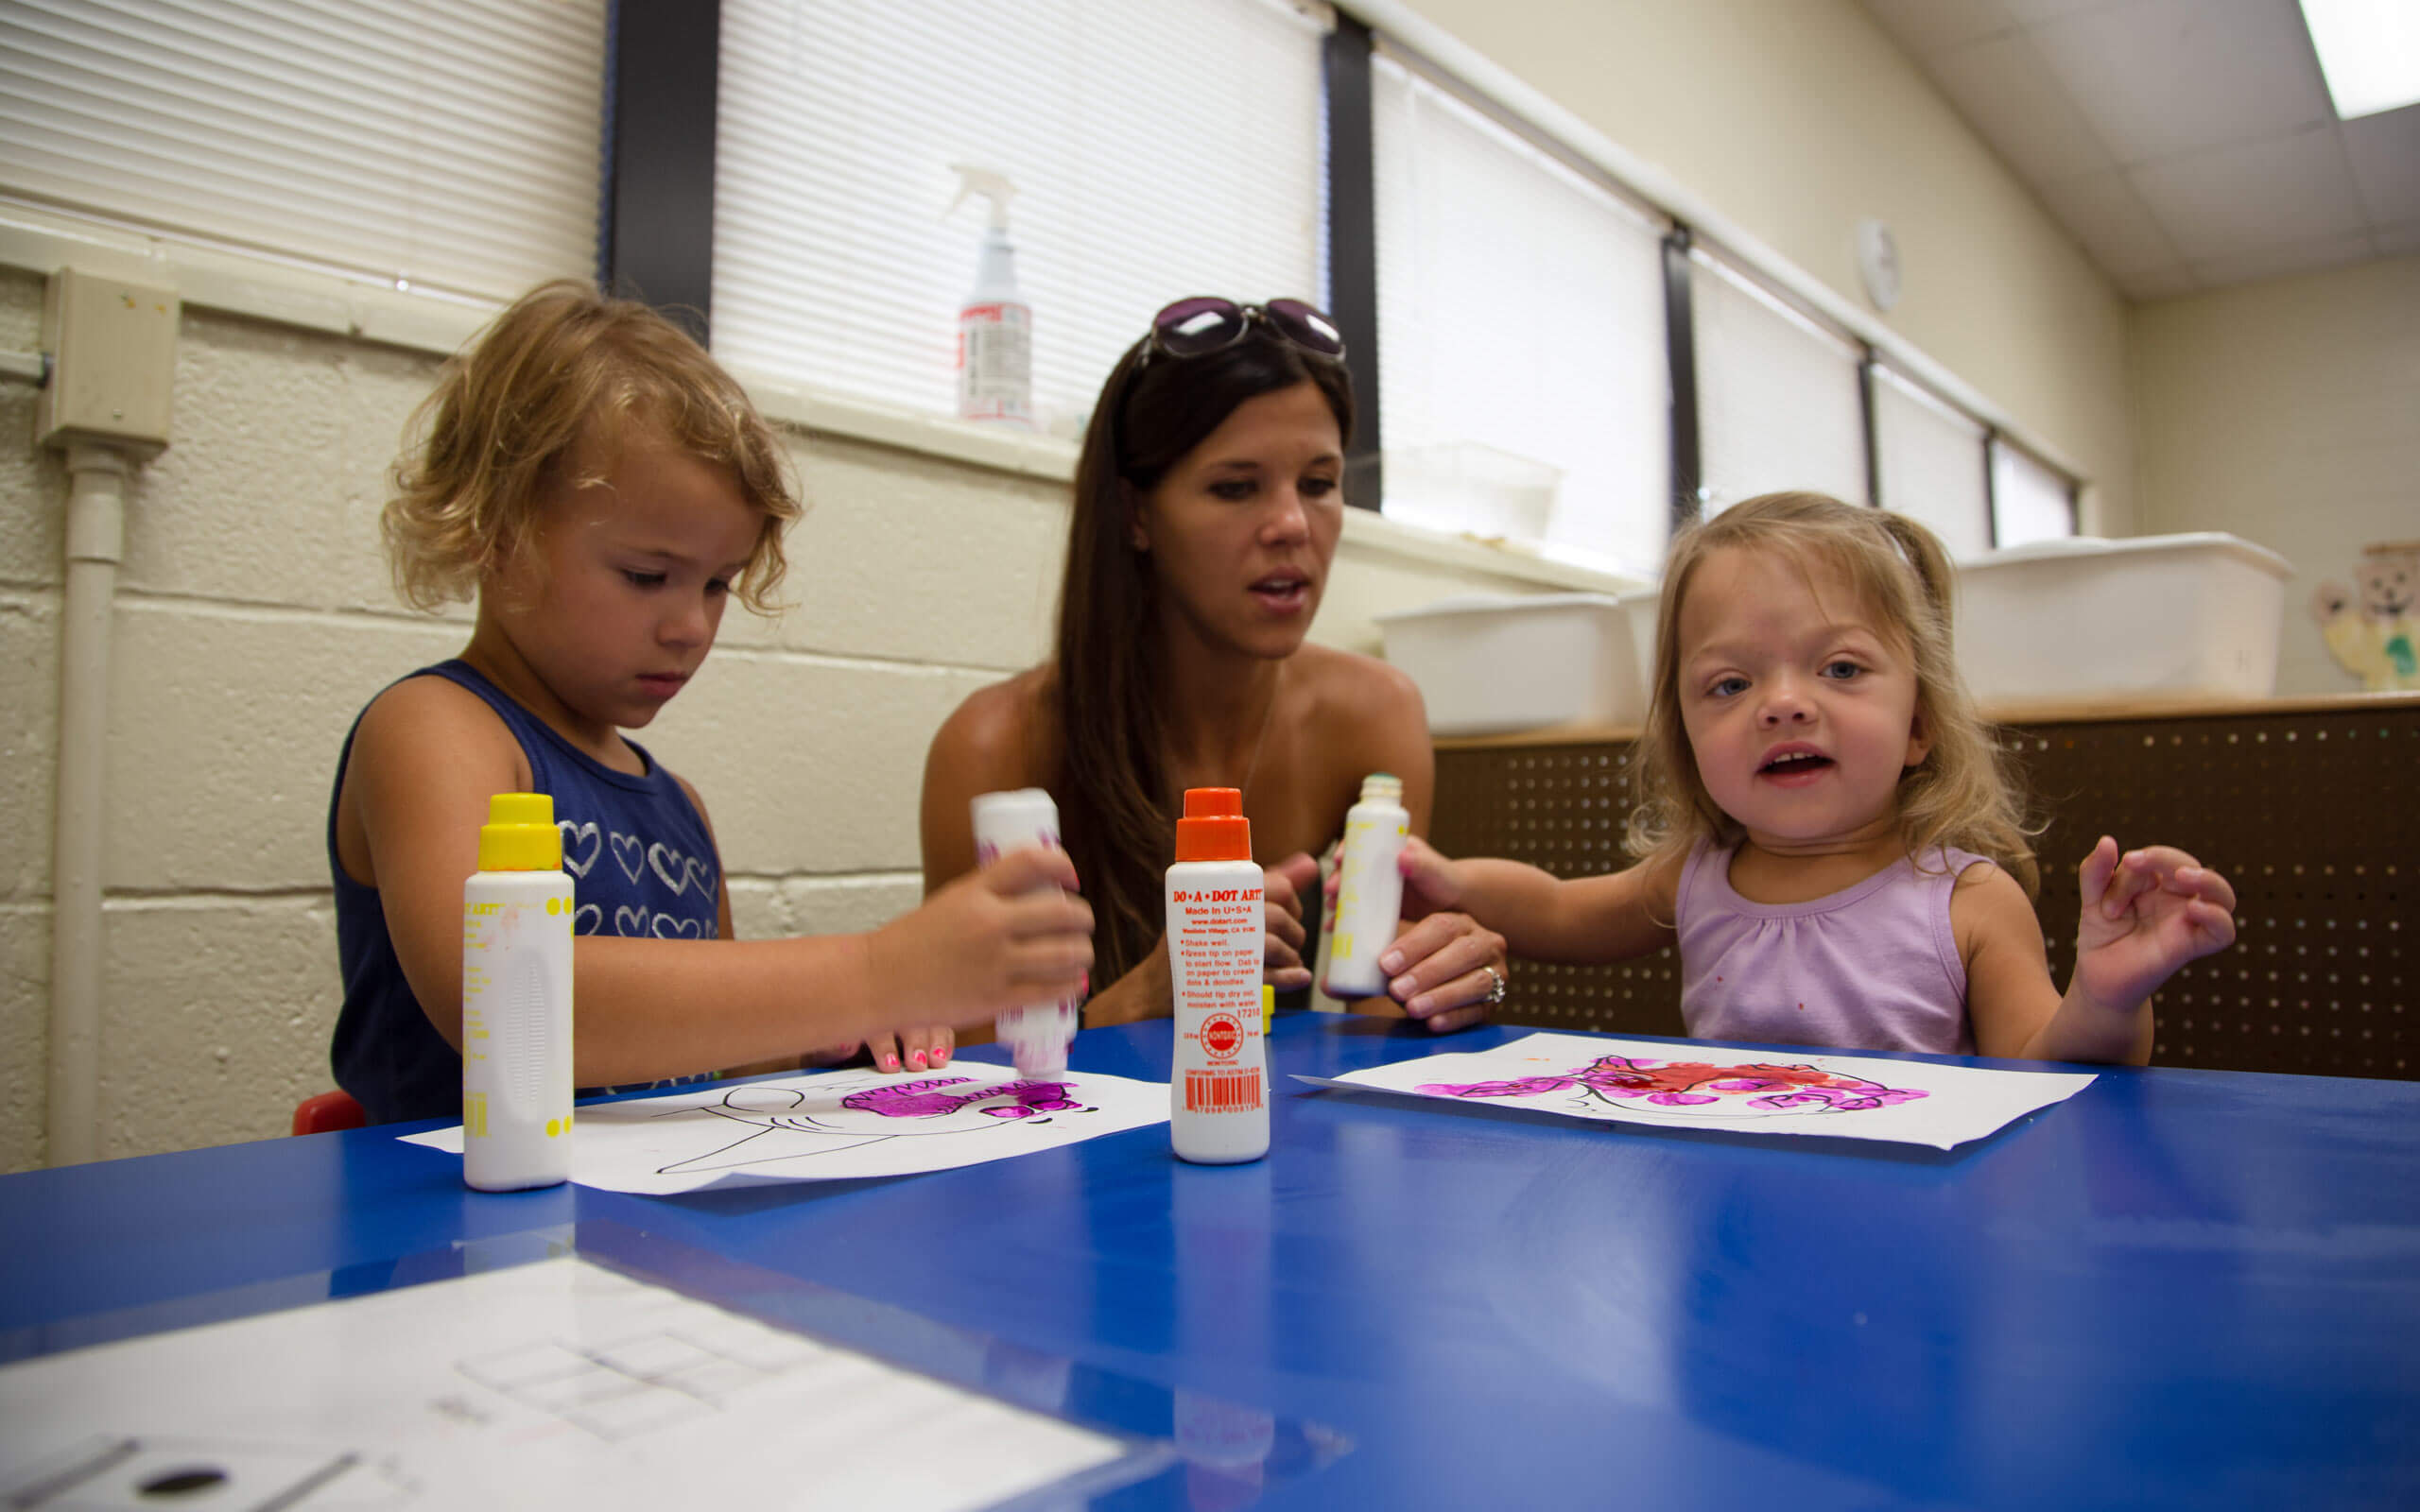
<point x="516" y="1001"/>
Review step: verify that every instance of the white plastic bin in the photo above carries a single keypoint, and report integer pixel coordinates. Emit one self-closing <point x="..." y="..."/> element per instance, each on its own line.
<point x="1490" y="663"/>
<point x="2178" y="616"/>
<point x="1471" y="487"/>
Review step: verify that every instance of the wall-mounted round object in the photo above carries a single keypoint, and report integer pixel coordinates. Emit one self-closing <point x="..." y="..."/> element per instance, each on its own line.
<point x="1878" y="263"/>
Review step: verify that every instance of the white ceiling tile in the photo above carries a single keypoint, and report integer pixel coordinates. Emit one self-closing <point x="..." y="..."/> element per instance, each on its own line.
<point x="2162" y="78"/>
<point x="1925" y="27"/>
<point x="2295" y="257"/>
<point x="2104" y="213"/>
<point x="2159" y="283"/>
<point x="2397" y="241"/>
<point x="2005" y="91"/>
<point x="2252" y="197"/>
<point x="2384" y="150"/>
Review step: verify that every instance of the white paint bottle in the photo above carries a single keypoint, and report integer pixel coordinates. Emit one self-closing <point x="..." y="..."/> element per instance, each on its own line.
<point x="1369" y="894"/>
<point x="1218" y="1083"/>
<point x="516" y="1001"/>
<point x="1038" y="1034"/>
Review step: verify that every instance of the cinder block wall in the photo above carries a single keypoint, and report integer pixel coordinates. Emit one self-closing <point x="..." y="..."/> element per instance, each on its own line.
<point x="254" y="618"/>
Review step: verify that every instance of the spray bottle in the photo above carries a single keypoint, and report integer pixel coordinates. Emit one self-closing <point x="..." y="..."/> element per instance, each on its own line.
<point x="995" y="325"/>
<point x="1369" y="894"/>
<point x="516" y="1001"/>
<point x="1037" y="1034"/>
<point x="1217" y="1086"/>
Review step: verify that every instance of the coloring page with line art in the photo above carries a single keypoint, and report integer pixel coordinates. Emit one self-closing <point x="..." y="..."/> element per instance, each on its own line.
<point x="1713" y="1086"/>
<point x="840" y="1124"/>
<point x="557" y="1383"/>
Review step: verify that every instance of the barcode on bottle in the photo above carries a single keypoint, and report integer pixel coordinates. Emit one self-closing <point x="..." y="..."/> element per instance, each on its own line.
<point x="1222" y="1091"/>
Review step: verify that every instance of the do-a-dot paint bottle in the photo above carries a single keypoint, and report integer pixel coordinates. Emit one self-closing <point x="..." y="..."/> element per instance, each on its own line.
<point x="1037" y="1035"/>
<point x="516" y="1001"/>
<point x="1218" y="1085"/>
<point x="1369" y="894"/>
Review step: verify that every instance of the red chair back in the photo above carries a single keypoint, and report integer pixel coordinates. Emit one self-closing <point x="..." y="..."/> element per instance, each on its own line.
<point x="328" y="1112"/>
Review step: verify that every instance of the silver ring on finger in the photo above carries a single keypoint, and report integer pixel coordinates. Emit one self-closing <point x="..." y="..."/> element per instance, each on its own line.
<point x="1495" y="985"/>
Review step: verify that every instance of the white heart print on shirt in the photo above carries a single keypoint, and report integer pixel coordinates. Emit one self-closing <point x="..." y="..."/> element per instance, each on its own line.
<point x="629" y="854"/>
<point x="574" y="862"/>
<point x="678" y="871"/>
<point x="663" y="926"/>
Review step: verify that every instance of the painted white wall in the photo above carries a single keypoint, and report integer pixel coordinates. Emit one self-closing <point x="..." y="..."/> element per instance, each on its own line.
<point x="2289" y="413"/>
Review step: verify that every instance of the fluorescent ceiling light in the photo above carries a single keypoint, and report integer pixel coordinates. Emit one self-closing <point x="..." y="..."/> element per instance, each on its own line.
<point x="2369" y="51"/>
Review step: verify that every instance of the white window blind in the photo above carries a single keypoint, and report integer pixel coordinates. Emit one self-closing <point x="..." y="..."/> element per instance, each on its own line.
<point x="1778" y="406"/>
<point x="1522" y="347"/>
<point x="447" y="143"/>
<point x="2030" y="500"/>
<point x="1931" y="460"/>
<point x="1158" y="150"/>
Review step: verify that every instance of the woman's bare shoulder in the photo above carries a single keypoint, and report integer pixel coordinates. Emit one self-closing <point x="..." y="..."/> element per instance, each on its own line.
<point x="999" y="729"/>
<point x="1358" y="688"/>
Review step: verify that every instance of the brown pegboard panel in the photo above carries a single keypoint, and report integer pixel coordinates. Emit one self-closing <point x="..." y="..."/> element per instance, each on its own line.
<point x="1561" y="809"/>
<point x="2303" y="809"/>
<point x="2306" y="813"/>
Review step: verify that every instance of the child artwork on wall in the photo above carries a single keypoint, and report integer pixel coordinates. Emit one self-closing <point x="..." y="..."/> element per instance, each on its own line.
<point x="1713" y="1086"/>
<point x="2370" y="627"/>
<point x="840" y="1124"/>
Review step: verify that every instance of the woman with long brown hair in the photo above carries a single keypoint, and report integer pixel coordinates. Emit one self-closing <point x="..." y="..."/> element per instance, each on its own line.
<point x="1208" y="502"/>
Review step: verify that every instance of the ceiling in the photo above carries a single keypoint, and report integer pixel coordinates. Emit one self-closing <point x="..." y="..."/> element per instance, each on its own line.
<point x="2185" y="144"/>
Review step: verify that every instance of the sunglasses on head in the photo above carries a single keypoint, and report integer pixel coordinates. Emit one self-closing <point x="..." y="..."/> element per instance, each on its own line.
<point x="1205" y="323"/>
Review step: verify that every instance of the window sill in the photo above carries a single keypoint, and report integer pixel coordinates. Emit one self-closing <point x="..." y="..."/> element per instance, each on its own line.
<point x="316" y="300"/>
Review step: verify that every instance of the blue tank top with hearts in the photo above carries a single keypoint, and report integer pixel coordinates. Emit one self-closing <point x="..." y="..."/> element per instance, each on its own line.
<point x="641" y="863"/>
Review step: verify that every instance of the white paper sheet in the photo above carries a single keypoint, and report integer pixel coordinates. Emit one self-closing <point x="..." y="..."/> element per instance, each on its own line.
<point x="836" y="1125"/>
<point x="553" y="1384"/>
<point x="1633" y="1082"/>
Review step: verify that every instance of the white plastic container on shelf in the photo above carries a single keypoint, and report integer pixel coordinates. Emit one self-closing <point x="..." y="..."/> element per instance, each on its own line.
<point x="2183" y="616"/>
<point x="1471" y="487"/>
<point x="1492" y="663"/>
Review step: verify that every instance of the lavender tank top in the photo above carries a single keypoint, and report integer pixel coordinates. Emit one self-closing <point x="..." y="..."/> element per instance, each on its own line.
<point x="1871" y="967"/>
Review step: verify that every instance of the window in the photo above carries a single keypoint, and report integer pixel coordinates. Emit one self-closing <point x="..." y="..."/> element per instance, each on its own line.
<point x="1931" y="460"/>
<point x="1156" y="152"/>
<point x="2030" y="500"/>
<point x="1521" y="347"/>
<point x="1778" y="401"/>
<point x="447" y="146"/>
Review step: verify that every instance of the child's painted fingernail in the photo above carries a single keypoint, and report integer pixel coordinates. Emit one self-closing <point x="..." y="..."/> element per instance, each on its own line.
<point x="1391" y="961"/>
<point x="915" y="1060"/>
<point x="889" y="1062"/>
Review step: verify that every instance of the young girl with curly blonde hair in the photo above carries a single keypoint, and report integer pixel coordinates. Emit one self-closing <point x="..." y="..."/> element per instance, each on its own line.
<point x="1826" y="827"/>
<point x="603" y="490"/>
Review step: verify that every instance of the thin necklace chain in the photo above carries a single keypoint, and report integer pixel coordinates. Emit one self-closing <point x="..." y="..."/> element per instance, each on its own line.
<point x="1261" y="741"/>
<point x="1267" y="717"/>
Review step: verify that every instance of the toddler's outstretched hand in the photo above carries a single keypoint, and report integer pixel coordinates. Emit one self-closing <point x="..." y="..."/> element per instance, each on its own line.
<point x="2146" y="914"/>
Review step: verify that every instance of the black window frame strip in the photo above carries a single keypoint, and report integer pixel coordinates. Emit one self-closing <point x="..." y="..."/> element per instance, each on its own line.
<point x="1681" y="364"/>
<point x="1352" y="245"/>
<point x="1867" y="362"/>
<point x="655" y="237"/>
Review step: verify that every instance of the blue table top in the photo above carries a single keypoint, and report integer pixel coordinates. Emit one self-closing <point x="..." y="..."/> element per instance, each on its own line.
<point x="2177" y="1286"/>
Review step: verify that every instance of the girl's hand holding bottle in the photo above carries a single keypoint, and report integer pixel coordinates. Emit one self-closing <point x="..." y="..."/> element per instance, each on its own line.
<point x="1010" y="934"/>
<point x="2146" y="914"/>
